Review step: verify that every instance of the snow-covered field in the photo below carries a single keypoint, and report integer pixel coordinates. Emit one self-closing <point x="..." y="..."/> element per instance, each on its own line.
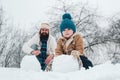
<point x="106" y="71"/>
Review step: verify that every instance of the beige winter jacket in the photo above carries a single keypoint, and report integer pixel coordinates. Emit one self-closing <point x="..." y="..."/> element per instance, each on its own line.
<point x="66" y="46"/>
<point x="51" y="44"/>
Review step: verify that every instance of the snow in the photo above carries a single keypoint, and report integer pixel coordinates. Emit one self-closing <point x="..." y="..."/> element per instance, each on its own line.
<point x="30" y="62"/>
<point x="106" y="71"/>
<point x="65" y="63"/>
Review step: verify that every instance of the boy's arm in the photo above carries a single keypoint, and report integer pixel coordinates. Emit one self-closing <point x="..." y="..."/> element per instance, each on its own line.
<point x="79" y="44"/>
<point x="59" y="50"/>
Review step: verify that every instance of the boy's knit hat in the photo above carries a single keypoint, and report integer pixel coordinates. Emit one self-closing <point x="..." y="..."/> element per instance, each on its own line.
<point x="67" y="23"/>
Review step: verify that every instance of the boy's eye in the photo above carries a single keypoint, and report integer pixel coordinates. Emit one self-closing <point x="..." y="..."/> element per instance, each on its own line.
<point x="67" y="29"/>
<point x="64" y="29"/>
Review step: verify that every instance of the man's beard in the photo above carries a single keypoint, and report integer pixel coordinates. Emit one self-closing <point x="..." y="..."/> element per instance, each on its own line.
<point x="44" y="36"/>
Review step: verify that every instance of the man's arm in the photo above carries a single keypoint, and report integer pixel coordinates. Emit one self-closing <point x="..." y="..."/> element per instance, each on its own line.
<point x="27" y="46"/>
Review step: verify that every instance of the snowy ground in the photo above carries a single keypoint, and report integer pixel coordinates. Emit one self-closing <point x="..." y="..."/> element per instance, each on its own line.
<point x="106" y="71"/>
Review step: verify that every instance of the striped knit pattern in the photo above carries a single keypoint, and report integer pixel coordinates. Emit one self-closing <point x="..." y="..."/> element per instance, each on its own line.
<point x="44" y="48"/>
<point x="43" y="54"/>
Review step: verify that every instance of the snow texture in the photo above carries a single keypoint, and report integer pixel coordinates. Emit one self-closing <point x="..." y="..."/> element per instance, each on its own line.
<point x="64" y="68"/>
<point x="65" y="63"/>
<point x="106" y="71"/>
<point x="30" y="63"/>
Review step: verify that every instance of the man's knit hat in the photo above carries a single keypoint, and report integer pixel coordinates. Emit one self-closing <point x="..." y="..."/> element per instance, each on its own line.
<point x="45" y="25"/>
<point x="67" y="23"/>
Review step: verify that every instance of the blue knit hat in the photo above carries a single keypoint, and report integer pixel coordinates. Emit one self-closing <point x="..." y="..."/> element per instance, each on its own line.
<point x="67" y="23"/>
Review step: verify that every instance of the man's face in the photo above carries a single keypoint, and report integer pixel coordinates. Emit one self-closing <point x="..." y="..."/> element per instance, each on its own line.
<point x="44" y="31"/>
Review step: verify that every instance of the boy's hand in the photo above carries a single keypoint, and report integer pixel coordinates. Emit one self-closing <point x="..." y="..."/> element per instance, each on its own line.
<point x="49" y="58"/>
<point x="75" y="53"/>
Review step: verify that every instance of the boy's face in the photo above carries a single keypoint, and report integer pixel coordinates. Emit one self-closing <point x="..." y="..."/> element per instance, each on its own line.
<point x="67" y="33"/>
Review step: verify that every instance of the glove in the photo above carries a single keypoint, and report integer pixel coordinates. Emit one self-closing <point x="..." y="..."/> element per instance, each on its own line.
<point x="75" y="53"/>
<point x="86" y="62"/>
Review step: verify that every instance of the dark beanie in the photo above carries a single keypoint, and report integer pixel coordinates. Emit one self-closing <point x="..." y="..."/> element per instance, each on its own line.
<point x="67" y="23"/>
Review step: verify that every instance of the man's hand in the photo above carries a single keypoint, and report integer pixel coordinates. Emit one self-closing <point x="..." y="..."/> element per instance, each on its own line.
<point x="49" y="58"/>
<point x="37" y="52"/>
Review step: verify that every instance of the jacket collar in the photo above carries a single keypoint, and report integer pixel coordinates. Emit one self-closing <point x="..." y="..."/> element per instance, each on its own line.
<point x="67" y="42"/>
<point x="71" y="36"/>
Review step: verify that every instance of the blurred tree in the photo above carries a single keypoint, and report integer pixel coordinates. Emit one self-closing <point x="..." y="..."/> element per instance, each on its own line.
<point x="114" y="37"/>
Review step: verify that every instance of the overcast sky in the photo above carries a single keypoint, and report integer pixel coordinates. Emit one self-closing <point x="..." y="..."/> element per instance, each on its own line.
<point x="28" y="12"/>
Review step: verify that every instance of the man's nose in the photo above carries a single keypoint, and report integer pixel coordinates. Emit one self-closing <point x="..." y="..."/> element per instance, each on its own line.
<point x="44" y="30"/>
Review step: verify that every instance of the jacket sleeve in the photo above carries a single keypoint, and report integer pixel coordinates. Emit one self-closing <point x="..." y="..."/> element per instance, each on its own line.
<point x="52" y="45"/>
<point x="27" y="46"/>
<point x="59" y="50"/>
<point x="79" y="44"/>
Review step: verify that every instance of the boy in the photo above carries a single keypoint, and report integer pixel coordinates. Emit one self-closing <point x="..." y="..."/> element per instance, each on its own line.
<point x="71" y="43"/>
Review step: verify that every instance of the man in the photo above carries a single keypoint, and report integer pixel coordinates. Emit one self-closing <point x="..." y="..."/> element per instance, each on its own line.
<point x="42" y="45"/>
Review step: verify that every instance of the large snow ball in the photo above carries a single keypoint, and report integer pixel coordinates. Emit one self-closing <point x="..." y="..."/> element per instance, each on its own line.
<point x="30" y="63"/>
<point x="65" y="63"/>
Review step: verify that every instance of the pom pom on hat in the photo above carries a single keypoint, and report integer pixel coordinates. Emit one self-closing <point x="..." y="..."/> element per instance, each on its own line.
<point x="67" y="16"/>
<point x="67" y="23"/>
